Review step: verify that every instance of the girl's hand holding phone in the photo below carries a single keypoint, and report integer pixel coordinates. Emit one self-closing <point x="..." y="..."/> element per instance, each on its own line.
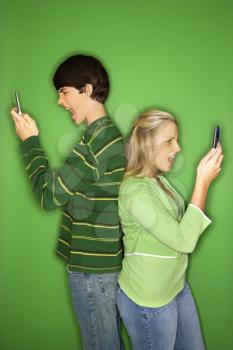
<point x="210" y="166"/>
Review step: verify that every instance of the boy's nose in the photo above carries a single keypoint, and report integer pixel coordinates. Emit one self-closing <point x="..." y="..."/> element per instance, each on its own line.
<point x="59" y="101"/>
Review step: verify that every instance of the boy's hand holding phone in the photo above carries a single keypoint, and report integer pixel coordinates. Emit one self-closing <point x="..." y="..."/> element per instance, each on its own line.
<point x="25" y="126"/>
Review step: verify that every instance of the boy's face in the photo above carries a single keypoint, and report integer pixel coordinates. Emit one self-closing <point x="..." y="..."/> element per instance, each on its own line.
<point x="75" y="102"/>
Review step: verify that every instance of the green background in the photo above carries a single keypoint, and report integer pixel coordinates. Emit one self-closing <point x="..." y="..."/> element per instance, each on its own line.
<point x="172" y="54"/>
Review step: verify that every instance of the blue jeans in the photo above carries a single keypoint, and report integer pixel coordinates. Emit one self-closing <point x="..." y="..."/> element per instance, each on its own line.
<point x="94" y="301"/>
<point x="174" y="326"/>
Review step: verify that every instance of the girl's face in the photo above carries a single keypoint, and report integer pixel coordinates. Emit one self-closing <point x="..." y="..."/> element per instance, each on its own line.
<point x="166" y="147"/>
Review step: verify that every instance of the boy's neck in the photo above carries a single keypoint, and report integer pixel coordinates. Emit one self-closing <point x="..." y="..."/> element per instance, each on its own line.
<point x="95" y="111"/>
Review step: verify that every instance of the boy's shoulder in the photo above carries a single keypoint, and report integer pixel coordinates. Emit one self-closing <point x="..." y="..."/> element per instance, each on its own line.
<point x="104" y="138"/>
<point x="101" y="129"/>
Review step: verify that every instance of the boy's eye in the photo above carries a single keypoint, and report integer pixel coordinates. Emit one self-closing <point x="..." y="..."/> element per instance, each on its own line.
<point x="63" y="92"/>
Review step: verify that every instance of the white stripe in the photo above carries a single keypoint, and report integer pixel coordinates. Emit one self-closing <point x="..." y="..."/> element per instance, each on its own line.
<point x="206" y="217"/>
<point x="151" y="255"/>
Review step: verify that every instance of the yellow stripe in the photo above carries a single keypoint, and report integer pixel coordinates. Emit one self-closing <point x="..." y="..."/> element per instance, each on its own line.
<point x="96" y="169"/>
<point x="95" y="268"/>
<point x="93" y="156"/>
<point x="42" y="201"/>
<point x="66" y="228"/>
<point x="98" y="199"/>
<point x="95" y="225"/>
<point x="66" y="243"/>
<point x="63" y="185"/>
<point x="42" y="196"/>
<point x="69" y="217"/>
<point x="32" y="149"/>
<point x="81" y="156"/>
<point x="109" y="144"/>
<point x="96" y="239"/>
<point x="62" y="254"/>
<point x="96" y="254"/>
<point x="56" y="201"/>
<point x="54" y="198"/>
<point x="113" y="171"/>
<point x="37" y="157"/>
<point x="101" y="129"/>
<point x="41" y="166"/>
<point x="107" y="184"/>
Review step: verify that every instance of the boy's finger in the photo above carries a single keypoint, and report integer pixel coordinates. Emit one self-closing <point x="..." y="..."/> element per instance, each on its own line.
<point x="16" y="117"/>
<point x="28" y="118"/>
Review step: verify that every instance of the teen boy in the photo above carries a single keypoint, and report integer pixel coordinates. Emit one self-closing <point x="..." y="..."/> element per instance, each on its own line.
<point x="86" y="188"/>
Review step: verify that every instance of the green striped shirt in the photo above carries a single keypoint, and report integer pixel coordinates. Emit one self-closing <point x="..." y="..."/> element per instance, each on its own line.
<point x="86" y="187"/>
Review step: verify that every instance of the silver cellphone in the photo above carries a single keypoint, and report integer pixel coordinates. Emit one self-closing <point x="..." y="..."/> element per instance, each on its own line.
<point x="17" y="103"/>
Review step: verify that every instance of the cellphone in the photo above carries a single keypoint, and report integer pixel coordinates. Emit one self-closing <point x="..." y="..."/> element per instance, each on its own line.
<point x="17" y="103"/>
<point x="216" y="136"/>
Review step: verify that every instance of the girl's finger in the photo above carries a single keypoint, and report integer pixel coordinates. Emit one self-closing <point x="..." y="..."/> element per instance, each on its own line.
<point x="220" y="159"/>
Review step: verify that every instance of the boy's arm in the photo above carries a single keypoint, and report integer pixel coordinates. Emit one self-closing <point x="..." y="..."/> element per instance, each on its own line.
<point x="54" y="188"/>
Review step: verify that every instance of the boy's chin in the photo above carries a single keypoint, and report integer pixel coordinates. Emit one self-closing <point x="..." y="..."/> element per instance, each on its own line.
<point x="77" y="119"/>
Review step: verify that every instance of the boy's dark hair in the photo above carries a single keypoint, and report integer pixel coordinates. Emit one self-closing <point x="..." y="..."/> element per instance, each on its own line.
<point x="79" y="70"/>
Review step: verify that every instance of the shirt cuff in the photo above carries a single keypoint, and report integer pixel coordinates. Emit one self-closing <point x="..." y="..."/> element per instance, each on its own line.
<point x="29" y="143"/>
<point x="206" y="217"/>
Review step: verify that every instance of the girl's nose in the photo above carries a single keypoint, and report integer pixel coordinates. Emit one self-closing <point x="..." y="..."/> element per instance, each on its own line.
<point x="178" y="149"/>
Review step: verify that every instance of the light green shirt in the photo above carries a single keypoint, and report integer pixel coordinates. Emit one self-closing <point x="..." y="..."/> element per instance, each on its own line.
<point x="159" y="234"/>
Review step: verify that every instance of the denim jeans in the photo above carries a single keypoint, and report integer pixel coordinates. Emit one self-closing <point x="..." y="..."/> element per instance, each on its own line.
<point x="174" y="326"/>
<point x="94" y="301"/>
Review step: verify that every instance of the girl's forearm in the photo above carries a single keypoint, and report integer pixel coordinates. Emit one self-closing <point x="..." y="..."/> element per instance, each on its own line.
<point x="199" y="194"/>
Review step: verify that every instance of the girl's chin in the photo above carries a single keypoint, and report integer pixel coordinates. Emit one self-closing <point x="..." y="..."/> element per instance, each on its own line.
<point x="165" y="169"/>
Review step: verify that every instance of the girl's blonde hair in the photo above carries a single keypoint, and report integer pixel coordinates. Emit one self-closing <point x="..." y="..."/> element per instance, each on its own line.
<point x="141" y="146"/>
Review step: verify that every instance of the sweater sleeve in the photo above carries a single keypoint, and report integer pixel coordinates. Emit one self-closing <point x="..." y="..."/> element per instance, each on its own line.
<point x="55" y="188"/>
<point x="145" y="207"/>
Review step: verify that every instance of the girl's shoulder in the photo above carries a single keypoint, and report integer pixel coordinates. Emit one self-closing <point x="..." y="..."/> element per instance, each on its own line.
<point x="137" y="184"/>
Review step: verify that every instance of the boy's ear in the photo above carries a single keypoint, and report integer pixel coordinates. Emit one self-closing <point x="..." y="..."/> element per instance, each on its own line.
<point x="88" y="89"/>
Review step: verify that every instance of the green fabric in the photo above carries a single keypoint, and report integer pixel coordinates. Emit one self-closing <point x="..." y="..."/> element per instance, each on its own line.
<point x="86" y="187"/>
<point x="159" y="234"/>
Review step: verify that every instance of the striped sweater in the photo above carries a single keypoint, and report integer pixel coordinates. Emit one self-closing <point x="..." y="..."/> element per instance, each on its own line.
<point x="86" y="187"/>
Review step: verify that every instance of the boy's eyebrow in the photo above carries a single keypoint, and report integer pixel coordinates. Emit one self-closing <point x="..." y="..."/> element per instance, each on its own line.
<point x="61" y="89"/>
